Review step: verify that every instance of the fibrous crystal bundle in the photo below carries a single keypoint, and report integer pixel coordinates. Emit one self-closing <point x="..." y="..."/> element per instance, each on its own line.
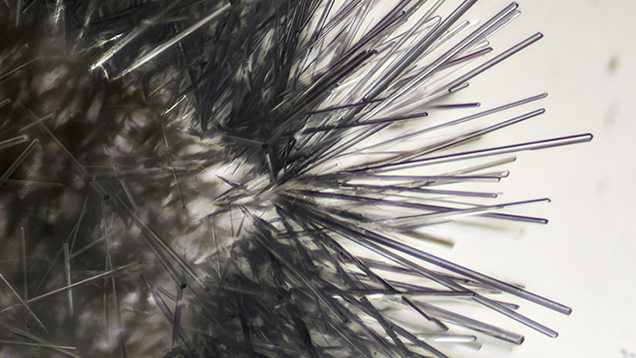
<point x="208" y="178"/>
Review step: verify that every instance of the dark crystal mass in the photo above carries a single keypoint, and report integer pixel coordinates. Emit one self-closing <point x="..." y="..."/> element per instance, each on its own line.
<point x="205" y="178"/>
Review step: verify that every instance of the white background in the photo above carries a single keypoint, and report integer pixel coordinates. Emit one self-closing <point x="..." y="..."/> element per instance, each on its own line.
<point x="585" y="256"/>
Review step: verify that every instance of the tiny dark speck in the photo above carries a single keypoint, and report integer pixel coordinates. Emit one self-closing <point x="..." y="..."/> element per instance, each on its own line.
<point x="612" y="65"/>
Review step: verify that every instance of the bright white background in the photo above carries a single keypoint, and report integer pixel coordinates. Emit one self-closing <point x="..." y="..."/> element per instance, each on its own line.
<point x="585" y="256"/>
